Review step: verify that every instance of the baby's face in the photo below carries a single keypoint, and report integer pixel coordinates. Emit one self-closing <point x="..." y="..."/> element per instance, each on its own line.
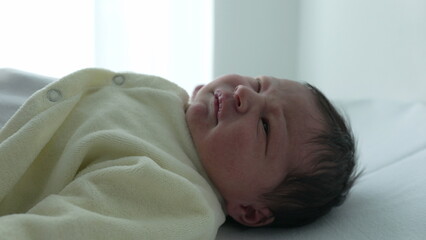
<point x="249" y="132"/>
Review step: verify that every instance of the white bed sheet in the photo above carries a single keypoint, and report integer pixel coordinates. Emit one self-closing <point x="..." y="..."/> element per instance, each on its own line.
<point x="388" y="202"/>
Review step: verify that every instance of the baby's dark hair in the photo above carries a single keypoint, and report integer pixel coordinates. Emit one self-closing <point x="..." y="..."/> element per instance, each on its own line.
<point x="303" y="197"/>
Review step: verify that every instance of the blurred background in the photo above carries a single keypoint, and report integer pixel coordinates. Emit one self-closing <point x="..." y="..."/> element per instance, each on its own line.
<point x="351" y="49"/>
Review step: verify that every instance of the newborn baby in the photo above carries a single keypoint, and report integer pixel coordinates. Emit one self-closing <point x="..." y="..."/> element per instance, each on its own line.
<point x="101" y="155"/>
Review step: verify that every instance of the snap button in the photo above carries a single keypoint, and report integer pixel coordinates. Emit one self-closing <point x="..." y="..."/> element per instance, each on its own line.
<point x="54" y="95"/>
<point x="118" y="79"/>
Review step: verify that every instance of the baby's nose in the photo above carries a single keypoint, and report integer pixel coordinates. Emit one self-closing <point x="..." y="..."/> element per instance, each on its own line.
<point x="242" y="96"/>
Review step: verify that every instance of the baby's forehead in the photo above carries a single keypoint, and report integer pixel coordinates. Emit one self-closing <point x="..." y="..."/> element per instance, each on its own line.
<point x="295" y="86"/>
<point x="294" y="91"/>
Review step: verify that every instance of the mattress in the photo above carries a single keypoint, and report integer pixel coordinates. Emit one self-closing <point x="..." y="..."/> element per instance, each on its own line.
<point x="388" y="201"/>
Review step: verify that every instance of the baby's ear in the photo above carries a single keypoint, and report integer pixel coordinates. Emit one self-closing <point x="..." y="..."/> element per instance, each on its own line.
<point x="251" y="215"/>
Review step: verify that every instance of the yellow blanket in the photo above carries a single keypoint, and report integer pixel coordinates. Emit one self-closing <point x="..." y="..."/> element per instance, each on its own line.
<point x="100" y="155"/>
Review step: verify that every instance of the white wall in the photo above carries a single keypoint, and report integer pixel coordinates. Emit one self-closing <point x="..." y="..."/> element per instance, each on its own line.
<point x="348" y="48"/>
<point x="256" y="37"/>
<point x="364" y="48"/>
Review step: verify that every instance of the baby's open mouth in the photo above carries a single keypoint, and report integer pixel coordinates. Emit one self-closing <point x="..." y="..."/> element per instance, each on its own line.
<point x="217" y="104"/>
<point x="216" y="107"/>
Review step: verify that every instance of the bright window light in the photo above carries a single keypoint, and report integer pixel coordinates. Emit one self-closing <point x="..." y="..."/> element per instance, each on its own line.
<point x="169" y="38"/>
<point x="47" y="37"/>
